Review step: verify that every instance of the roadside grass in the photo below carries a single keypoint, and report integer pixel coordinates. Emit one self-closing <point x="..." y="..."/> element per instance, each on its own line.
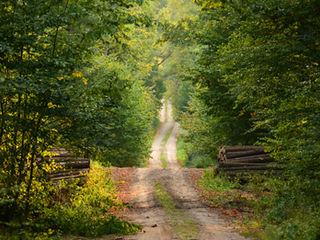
<point x="163" y="160"/>
<point x="166" y="110"/>
<point x="225" y="193"/>
<point x="182" y="227"/>
<point x="181" y="152"/>
<point x="255" y="210"/>
<point x="234" y="200"/>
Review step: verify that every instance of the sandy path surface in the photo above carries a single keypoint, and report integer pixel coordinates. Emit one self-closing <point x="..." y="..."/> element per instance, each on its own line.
<point x="151" y="215"/>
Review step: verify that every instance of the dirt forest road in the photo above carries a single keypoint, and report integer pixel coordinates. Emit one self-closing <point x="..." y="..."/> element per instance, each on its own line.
<point x="165" y="201"/>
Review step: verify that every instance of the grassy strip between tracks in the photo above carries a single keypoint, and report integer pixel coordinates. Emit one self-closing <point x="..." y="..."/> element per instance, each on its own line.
<point x="182" y="227"/>
<point x="163" y="144"/>
<point x="166" y="111"/>
<point x="163" y="160"/>
<point x="166" y="138"/>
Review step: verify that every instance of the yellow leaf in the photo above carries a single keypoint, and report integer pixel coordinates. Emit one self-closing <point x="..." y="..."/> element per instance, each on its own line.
<point x="85" y="81"/>
<point x="59" y="78"/>
<point x="77" y="74"/>
<point x="51" y="105"/>
<point x="302" y="122"/>
<point x="8" y="9"/>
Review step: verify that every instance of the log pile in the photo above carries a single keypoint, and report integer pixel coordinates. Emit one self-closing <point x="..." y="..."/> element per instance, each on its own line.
<point x="71" y="166"/>
<point x="241" y="161"/>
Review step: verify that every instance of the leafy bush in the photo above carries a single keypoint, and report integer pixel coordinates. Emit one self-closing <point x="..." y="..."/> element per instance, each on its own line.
<point x="23" y="198"/>
<point x="197" y="132"/>
<point x="71" y="208"/>
<point x="91" y="210"/>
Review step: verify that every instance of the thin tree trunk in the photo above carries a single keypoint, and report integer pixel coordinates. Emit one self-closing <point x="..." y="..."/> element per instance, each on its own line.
<point x="32" y="161"/>
<point x="2" y="122"/>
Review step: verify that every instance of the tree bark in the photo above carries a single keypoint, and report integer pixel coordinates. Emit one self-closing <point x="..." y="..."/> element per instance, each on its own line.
<point x="255" y="158"/>
<point x="240" y="148"/>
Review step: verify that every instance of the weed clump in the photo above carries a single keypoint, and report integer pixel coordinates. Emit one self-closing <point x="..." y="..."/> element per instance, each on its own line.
<point x="269" y="211"/>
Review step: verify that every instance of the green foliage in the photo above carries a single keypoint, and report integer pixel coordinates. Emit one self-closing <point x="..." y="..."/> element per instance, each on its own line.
<point x="71" y="75"/>
<point x="13" y="200"/>
<point x="220" y="189"/>
<point x="87" y="210"/>
<point x="181" y="151"/>
<point x="155" y="125"/>
<point x="174" y="58"/>
<point x="131" y="135"/>
<point x="217" y="183"/>
<point x="268" y="217"/>
<point x="90" y="75"/>
<point x="90" y="211"/>
<point x="257" y="81"/>
<point x="197" y="133"/>
<point x="301" y="226"/>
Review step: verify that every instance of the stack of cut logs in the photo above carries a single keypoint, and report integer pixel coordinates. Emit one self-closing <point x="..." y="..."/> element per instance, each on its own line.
<point x="71" y="165"/>
<point x="240" y="161"/>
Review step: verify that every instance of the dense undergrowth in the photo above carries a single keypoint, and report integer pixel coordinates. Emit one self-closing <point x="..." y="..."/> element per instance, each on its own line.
<point x="261" y="207"/>
<point x="73" y="209"/>
<point x="191" y="155"/>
